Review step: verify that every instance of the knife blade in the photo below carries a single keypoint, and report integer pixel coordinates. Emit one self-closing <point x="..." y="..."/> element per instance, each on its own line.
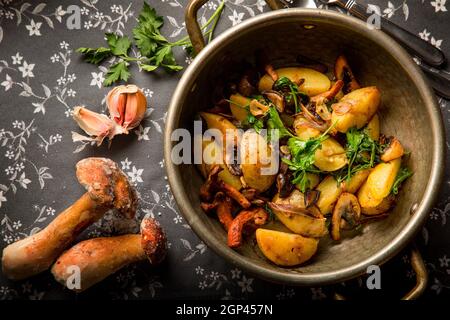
<point x="283" y="4"/>
<point x="308" y="4"/>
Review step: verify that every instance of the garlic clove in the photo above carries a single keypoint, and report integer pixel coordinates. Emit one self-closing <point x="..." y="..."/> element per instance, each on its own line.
<point x="135" y="110"/>
<point x="94" y="124"/>
<point x="127" y="106"/>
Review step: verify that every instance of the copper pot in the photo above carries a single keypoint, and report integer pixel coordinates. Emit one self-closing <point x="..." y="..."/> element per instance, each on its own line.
<point x="409" y="111"/>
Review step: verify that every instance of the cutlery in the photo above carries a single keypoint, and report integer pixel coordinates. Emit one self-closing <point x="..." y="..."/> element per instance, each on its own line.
<point x="422" y="49"/>
<point x="428" y="57"/>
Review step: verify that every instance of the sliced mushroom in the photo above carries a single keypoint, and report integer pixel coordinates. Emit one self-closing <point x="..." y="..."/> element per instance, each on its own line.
<point x="251" y="218"/>
<point x="276" y="98"/>
<point x="270" y="70"/>
<point x="284" y="185"/>
<point x="257" y="108"/>
<point x="347" y="207"/>
<point x="330" y="94"/>
<point x="342" y="71"/>
<point x="311" y="197"/>
<point x="315" y="120"/>
<point x="207" y="189"/>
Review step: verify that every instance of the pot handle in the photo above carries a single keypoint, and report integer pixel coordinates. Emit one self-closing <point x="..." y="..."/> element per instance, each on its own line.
<point x="193" y="28"/>
<point x="421" y="277"/>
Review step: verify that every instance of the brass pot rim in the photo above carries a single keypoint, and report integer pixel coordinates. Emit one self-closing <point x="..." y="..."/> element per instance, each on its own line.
<point x="417" y="219"/>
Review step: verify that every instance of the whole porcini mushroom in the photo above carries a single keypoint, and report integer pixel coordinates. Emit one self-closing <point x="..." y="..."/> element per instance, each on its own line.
<point x="107" y="188"/>
<point x="100" y="257"/>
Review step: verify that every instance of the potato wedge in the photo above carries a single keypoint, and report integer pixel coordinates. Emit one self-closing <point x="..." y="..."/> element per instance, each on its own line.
<point x="355" y="109"/>
<point x="211" y="156"/>
<point x="393" y="151"/>
<point x="314" y="84"/>
<point x="300" y="223"/>
<point x="384" y="206"/>
<point x="331" y="156"/>
<point x="216" y="121"/>
<point x="373" y="128"/>
<point x="303" y="128"/>
<point x="366" y="199"/>
<point x="356" y="181"/>
<point x="296" y="198"/>
<point x="382" y="178"/>
<point x="329" y="193"/>
<point x="314" y="180"/>
<point x="285" y="249"/>
<point x="257" y="157"/>
<point x="237" y="106"/>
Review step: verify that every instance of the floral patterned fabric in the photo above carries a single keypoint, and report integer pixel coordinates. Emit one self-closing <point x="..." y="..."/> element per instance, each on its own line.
<point x="42" y="79"/>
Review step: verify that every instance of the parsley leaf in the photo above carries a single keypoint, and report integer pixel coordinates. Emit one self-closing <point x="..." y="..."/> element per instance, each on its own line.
<point x="118" y="45"/>
<point x="362" y="152"/>
<point x="276" y="123"/>
<point x="303" y="157"/>
<point x="291" y="92"/>
<point x="155" y="50"/>
<point x="118" y="71"/>
<point x="403" y="174"/>
<point x="95" y="56"/>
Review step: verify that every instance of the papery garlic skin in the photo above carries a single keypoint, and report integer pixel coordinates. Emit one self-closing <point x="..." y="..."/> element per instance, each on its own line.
<point x="95" y="124"/>
<point x="127" y="105"/>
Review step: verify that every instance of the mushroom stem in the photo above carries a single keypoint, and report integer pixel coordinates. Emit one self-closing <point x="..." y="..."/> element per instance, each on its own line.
<point x="100" y="257"/>
<point x="36" y="253"/>
<point x="224" y="212"/>
<point x="234" y="194"/>
<point x="252" y="217"/>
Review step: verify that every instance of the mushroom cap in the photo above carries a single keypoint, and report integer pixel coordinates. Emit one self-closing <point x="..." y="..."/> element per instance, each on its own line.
<point x="107" y="184"/>
<point x="153" y="241"/>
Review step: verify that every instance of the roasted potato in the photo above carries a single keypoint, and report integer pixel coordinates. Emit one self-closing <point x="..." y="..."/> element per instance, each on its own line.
<point x="373" y="128"/>
<point x="225" y="126"/>
<point x="331" y="156"/>
<point x="211" y="156"/>
<point x="303" y="128"/>
<point x="302" y="223"/>
<point x="256" y="157"/>
<point x="355" y="109"/>
<point x="356" y="181"/>
<point x="382" y="178"/>
<point x="237" y="106"/>
<point x="329" y="193"/>
<point x="314" y="84"/>
<point x="378" y="184"/>
<point x="296" y="198"/>
<point x="393" y="151"/>
<point x="285" y="249"/>
<point x="314" y="180"/>
<point x="384" y="206"/>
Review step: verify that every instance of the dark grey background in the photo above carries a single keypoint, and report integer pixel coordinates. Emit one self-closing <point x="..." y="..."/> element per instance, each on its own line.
<point x="191" y="270"/>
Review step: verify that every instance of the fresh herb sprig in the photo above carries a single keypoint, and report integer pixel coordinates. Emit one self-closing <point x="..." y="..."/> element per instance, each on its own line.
<point x="291" y="92"/>
<point x="155" y="49"/>
<point x="303" y="157"/>
<point x="275" y="122"/>
<point x="403" y="174"/>
<point x="362" y="153"/>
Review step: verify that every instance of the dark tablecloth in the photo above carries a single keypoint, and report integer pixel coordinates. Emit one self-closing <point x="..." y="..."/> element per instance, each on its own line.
<point x="42" y="79"/>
